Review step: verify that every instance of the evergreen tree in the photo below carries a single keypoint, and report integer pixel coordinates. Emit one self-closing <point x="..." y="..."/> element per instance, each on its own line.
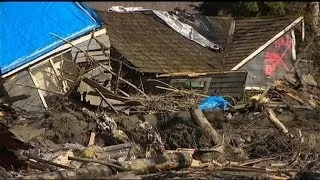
<point x="245" y="9"/>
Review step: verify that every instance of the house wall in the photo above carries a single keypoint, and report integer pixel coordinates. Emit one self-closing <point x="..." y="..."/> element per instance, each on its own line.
<point x="271" y="63"/>
<point x="160" y="5"/>
<point x="13" y="88"/>
<point x="222" y="83"/>
<point x="57" y="74"/>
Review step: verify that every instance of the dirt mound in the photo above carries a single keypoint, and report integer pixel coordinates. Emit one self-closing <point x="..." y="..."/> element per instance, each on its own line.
<point x="66" y="128"/>
<point x="178" y="130"/>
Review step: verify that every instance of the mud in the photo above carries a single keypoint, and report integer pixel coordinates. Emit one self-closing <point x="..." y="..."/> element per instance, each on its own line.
<point x="141" y="133"/>
<point x="249" y="134"/>
<point x="66" y="128"/>
<point x="180" y="131"/>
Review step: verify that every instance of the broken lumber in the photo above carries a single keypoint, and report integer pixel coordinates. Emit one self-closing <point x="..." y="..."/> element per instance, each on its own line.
<point x="125" y="81"/>
<point x="273" y="118"/>
<point x="106" y="92"/>
<point x="106" y="100"/>
<point x="159" y="163"/>
<point x="204" y="124"/>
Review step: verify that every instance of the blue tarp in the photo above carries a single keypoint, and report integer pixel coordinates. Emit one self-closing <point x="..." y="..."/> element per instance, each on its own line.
<point x="26" y="29"/>
<point x="214" y="102"/>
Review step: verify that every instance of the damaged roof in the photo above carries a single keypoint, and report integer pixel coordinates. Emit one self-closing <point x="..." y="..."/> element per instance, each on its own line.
<point x="251" y="33"/>
<point x="154" y="47"/>
<point x="27" y="29"/>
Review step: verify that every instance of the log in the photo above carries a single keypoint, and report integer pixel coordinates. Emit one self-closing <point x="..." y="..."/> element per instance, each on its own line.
<point x="90" y="172"/>
<point x="204" y="124"/>
<point x="159" y="163"/>
<point x="117" y="147"/>
<point x="117" y="154"/>
<point x="273" y="118"/>
<point x="96" y="161"/>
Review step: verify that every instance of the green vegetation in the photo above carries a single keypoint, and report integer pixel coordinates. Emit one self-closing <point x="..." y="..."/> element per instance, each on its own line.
<point x="245" y="9"/>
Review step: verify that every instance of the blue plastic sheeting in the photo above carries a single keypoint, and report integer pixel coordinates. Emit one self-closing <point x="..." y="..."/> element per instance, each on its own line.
<point x="26" y="29"/>
<point x="214" y="102"/>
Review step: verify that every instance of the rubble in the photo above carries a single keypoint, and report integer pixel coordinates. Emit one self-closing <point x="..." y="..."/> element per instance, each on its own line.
<point x="264" y="136"/>
<point x="100" y="129"/>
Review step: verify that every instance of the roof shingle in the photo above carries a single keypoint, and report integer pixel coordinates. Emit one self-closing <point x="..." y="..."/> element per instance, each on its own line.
<point x="251" y="33"/>
<point x="154" y="47"/>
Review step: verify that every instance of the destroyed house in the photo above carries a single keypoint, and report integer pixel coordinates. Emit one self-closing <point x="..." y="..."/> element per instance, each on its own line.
<point x="150" y="49"/>
<point x="40" y="44"/>
<point x="262" y="47"/>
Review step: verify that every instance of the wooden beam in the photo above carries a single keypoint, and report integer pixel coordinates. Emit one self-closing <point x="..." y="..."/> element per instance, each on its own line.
<point x="256" y="52"/>
<point x="64" y="86"/>
<point x="194" y="74"/>
<point x="39" y="91"/>
<point x="106" y="100"/>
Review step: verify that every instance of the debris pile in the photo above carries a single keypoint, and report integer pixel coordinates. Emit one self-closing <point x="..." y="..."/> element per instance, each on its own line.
<point x="99" y="130"/>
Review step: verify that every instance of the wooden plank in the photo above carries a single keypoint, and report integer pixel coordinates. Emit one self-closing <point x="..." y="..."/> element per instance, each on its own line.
<point x="93" y="44"/>
<point x="106" y="100"/>
<point x="39" y="91"/>
<point x="97" y="58"/>
<point x="104" y="39"/>
<point x="90" y="52"/>
<point x="193" y="74"/>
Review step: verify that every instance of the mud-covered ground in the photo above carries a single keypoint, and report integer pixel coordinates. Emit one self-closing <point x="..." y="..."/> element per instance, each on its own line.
<point x="248" y="134"/>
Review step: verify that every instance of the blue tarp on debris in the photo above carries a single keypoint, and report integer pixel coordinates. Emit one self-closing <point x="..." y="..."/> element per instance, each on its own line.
<point x="214" y="102"/>
<point x="26" y="29"/>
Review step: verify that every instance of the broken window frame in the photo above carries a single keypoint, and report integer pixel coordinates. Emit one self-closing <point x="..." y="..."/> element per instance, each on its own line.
<point x="49" y="61"/>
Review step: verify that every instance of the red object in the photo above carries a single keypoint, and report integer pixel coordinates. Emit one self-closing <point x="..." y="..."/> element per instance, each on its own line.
<point x="274" y="59"/>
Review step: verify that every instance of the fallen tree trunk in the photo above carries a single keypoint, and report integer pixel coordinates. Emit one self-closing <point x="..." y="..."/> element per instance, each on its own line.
<point x="91" y="172"/>
<point x="159" y="163"/>
<point x="137" y="166"/>
<point x="204" y="124"/>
